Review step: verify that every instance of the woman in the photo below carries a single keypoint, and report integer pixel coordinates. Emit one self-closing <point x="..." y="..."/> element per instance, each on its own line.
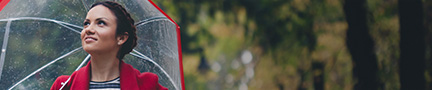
<point x="108" y="35"/>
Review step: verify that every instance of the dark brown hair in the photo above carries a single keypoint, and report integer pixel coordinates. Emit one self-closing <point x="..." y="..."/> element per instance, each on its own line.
<point x="125" y="23"/>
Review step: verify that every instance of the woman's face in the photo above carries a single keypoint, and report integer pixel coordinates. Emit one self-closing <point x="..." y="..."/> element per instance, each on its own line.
<point x="99" y="33"/>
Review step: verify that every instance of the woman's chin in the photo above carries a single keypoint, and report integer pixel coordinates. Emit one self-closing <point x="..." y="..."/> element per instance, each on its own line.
<point x="89" y="49"/>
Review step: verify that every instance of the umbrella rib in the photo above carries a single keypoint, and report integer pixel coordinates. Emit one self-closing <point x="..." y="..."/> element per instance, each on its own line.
<point x="139" y="53"/>
<point x="148" y="20"/>
<point x="76" y="26"/>
<point x="46" y="65"/>
<point x="3" y="50"/>
<point x="83" y="62"/>
<point x="46" y="19"/>
<point x="69" y="28"/>
<point x="157" y="65"/>
<point x="85" y="5"/>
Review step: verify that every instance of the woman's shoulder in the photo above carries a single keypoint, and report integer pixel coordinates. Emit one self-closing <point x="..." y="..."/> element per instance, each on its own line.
<point x="151" y="80"/>
<point x="146" y="80"/>
<point x="58" y="82"/>
<point x="63" y="78"/>
<point x="148" y="77"/>
<point x="128" y="70"/>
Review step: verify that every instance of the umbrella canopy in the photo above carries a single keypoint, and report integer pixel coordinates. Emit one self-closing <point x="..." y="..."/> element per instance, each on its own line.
<point x="40" y="40"/>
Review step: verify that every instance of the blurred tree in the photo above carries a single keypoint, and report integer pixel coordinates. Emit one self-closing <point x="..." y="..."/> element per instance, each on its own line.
<point x="412" y="45"/>
<point x="360" y="45"/>
<point x="317" y="69"/>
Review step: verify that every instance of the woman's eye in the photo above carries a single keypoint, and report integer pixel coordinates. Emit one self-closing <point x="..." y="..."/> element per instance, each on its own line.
<point x="86" y="23"/>
<point x="101" y="23"/>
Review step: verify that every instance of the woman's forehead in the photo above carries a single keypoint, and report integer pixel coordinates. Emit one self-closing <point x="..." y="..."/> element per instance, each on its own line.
<point x="99" y="12"/>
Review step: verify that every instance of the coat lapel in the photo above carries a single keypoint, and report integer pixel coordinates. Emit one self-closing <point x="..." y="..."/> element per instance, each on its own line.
<point x="128" y="78"/>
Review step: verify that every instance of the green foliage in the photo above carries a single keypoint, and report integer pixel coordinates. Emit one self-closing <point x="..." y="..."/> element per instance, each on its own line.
<point x="285" y="37"/>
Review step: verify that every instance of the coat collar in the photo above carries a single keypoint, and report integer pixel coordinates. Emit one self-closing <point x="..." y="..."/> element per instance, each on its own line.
<point x="128" y="77"/>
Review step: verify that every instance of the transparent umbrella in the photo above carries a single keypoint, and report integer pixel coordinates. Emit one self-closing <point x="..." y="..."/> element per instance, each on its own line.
<point x="40" y="41"/>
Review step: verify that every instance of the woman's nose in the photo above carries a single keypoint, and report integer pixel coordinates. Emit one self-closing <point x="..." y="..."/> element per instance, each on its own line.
<point x="89" y="30"/>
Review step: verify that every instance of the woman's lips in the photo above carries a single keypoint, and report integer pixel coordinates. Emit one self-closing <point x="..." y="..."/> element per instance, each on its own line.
<point x="89" y="39"/>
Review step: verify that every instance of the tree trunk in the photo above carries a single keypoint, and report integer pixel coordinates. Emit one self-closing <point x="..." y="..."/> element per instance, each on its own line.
<point x="412" y="45"/>
<point x="361" y="45"/>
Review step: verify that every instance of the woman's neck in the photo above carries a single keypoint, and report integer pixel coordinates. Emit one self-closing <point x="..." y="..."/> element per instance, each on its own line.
<point x="104" y="68"/>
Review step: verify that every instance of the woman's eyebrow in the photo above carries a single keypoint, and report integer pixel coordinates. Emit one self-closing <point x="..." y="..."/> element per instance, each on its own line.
<point x="98" y="19"/>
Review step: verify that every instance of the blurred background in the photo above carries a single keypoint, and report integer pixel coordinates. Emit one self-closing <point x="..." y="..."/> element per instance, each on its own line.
<point x="304" y="44"/>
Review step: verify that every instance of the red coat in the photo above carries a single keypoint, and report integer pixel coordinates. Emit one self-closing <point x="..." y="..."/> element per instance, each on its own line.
<point x="130" y="79"/>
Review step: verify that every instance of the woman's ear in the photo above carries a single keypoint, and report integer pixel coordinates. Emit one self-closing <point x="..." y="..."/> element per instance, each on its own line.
<point x="121" y="39"/>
